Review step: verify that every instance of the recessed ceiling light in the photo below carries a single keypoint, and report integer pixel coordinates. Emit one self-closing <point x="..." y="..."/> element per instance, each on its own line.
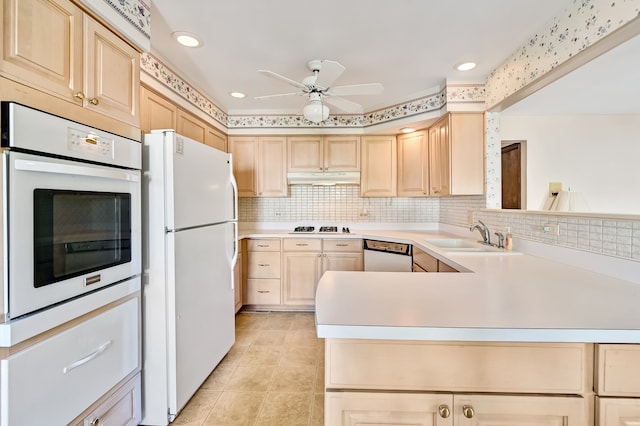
<point x="407" y="130"/>
<point x="466" y="66"/>
<point x="238" y="95"/>
<point x="187" y="39"/>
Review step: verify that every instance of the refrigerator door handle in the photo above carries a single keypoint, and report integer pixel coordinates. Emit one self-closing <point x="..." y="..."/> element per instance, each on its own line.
<point x="234" y="185"/>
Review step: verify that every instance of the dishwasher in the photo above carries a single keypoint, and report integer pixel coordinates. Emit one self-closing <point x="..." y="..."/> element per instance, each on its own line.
<point x="387" y="256"/>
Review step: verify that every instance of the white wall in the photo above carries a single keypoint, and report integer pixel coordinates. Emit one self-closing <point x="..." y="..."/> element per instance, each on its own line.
<point x="598" y="155"/>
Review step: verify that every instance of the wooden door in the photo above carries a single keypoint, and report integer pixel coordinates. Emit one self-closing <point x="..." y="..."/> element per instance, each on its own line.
<point x="155" y="111"/>
<point x="216" y="139"/>
<point x="112" y="74"/>
<point x="302" y="272"/>
<point x="272" y="167"/>
<point x="42" y="45"/>
<point x="413" y="164"/>
<point x="439" y="160"/>
<point x="245" y="154"/>
<point x="237" y="282"/>
<point x="304" y="154"/>
<point x="342" y="153"/>
<point x="191" y="126"/>
<point x="511" y="176"/>
<point x="342" y="262"/>
<point x="618" y="412"/>
<point x="379" y="166"/>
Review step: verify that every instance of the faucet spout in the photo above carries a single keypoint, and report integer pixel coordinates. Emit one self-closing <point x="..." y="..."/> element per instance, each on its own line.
<point x="484" y="231"/>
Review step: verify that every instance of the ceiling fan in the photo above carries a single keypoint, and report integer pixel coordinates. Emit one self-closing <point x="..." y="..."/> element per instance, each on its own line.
<point x="319" y="90"/>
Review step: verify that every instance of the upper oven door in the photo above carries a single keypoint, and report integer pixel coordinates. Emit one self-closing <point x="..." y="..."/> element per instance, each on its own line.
<point x="72" y="228"/>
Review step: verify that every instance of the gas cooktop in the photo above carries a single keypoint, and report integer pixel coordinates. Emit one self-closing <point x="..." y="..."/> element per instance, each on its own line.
<point x="322" y="229"/>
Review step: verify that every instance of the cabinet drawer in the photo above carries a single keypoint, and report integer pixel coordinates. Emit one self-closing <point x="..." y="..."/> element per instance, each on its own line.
<point x="263" y="264"/>
<point x="342" y="245"/>
<point x="561" y="368"/>
<point x="618" y="370"/>
<point x="121" y="408"/>
<point x="617" y="411"/>
<point x="302" y="244"/>
<point x="263" y="292"/>
<point x="263" y="245"/>
<point x="53" y="381"/>
<point x="424" y="260"/>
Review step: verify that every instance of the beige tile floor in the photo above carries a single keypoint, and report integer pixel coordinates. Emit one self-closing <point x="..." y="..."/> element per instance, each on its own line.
<point x="273" y="375"/>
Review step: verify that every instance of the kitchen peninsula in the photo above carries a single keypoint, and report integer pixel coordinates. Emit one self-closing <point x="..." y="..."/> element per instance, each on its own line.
<point x="516" y="338"/>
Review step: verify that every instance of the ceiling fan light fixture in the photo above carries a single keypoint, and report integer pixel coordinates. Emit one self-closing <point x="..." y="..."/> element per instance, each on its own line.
<point x="316" y="112"/>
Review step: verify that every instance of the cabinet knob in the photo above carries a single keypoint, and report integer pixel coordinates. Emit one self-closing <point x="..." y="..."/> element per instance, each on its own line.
<point x="468" y="412"/>
<point x="444" y="411"/>
<point x="78" y="95"/>
<point x="94" y="101"/>
<point x="95" y="422"/>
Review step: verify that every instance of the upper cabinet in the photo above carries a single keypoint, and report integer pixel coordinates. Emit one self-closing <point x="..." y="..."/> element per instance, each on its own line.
<point x="456" y="155"/>
<point x="156" y="112"/>
<point x="51" y="45"/>
<point x="259" y="165"/>
<point x="379" y="166"/>
<point x="323" y="153"/>
<point x="413" y="164"/>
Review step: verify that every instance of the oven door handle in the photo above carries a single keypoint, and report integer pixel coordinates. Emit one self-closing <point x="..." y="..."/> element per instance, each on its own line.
<point x="75" y="170"/>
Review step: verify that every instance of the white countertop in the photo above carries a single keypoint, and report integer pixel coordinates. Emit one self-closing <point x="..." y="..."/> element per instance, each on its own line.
<point x="499" y="298"/>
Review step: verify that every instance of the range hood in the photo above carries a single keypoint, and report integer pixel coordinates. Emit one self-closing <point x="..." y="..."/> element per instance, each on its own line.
<point x="323" y="178"/>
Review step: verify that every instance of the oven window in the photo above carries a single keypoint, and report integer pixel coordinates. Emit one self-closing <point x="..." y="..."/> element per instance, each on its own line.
<point x="77" y="232"/>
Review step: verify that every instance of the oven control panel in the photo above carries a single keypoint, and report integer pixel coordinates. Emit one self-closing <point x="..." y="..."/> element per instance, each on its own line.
<point x="90" y="143"/>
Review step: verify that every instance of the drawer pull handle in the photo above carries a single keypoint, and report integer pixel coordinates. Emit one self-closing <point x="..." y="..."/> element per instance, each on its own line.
<point x="264" y="264"/>
<point x="302" y="244"/>
<point x="342" y="245"/>
<point x="264" y="245"/>
<point x="87" y="358"/>
<point x="95" y="422"/>
<point x="264" y="291"/>
<point x="444" y="411"/>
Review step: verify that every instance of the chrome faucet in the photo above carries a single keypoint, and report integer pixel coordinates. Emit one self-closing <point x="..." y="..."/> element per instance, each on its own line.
<point x="484" y="231"/>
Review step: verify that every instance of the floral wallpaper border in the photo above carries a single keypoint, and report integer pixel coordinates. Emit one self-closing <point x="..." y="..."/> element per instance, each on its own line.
<point x="583" y="23"/>
<point x="450" y="93"/>
<point x="136" y="12"/>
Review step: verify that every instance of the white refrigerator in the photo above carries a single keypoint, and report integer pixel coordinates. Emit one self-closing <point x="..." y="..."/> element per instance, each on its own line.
<point x="189" y="249"/>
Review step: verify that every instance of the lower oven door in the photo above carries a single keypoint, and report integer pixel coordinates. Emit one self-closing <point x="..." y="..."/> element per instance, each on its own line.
<point x="73" y="228"/>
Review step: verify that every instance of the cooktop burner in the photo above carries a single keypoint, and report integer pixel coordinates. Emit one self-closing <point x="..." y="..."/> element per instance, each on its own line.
<point x="328" y="229"/>
<point x="322" y="229"/>
<point x="304" y="229"/>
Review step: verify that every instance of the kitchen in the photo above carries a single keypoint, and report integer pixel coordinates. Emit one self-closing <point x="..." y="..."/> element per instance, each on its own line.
<point x="343" y="205"/>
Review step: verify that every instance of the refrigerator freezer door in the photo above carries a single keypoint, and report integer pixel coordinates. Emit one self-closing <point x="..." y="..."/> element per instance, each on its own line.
<point x="197" y="183"/>
<point x="201" y="321"/>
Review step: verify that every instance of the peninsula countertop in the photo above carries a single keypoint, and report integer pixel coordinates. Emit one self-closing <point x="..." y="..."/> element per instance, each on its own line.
<point x="511" y="297"/>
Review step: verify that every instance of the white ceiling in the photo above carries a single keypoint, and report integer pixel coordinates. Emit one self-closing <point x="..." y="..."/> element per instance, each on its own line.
<point x="410" y="46"/>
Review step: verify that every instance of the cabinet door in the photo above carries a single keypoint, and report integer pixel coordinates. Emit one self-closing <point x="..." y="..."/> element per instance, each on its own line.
<point x="272" y="167"/>
<point x="618" y="412"/>
<point x="191" y="126"/>
<point x="301" y="275"/>
<point x="413" y="164"/>
<point x="466" y="135"/>
<point x="156" y="112"/>
<point x="439" y="164"/>
<point x="379" y="165"/>
<point x="237" y="283"/>
<point x="42" y="45"/>
<point x="342" y="153"/>
<point x="216" y="139"/>
<point x="245" y="154"/>
<point x="342" y="262"/>
<point x="476" y="410"/>
<point x="388" y="409"/>
<point x="112" y="74"/>
<point x="305" y="154"/>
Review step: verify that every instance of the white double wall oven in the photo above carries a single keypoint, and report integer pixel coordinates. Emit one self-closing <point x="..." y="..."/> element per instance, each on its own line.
<point x="71" y="210"/>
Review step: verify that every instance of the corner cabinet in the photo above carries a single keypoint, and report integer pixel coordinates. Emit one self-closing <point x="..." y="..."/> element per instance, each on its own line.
<point x="456" y="155"/>
<point x="379" y="166"/>
<point x="617" y="385"/>
<point x="259" y="165"/>
<point x="53" y="46"/>
<point x="323" y="153"/>
<point x="413" y="164"/>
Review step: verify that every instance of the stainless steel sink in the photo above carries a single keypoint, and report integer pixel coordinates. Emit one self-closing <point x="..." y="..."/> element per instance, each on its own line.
<point x="462" y="246"/>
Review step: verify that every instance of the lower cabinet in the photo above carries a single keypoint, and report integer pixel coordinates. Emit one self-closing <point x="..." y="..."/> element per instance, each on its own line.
<point x="263" y="272"/>
<point x="424" y="262"/>
<point x="237" y="280"/>
<point x="426" y="409"/>
<point x="120" y="408"/>
<point x="618" y="385"/>
<point x="617" y="411"/>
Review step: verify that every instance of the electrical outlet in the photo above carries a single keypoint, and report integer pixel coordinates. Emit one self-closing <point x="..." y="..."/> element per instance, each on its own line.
<point x="551" y="228"/>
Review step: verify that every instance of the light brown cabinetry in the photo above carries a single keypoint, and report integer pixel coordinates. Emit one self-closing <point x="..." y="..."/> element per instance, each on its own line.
<point x="456" y="155"/>
<point x="453" y="383"/>
<point x="618" y="385"/>
<point x="413" y="164"/>
<point x="424" y="262"/>
<point x="379" y="166"/>
<point x="52" y="46"/>
<point x="323" y="153"/>
<point x="156" y="112"/>
<point x="259" y="165"/>
<point x="342" y="255"/>
<point x="263" y="272"/>
<point x="122" y="407"/>
<point x="238" y="280"/>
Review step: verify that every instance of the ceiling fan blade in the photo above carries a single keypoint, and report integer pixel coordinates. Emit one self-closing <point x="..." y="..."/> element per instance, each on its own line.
<point x="282" y="78"/>
<point x="277" y="95"/>
<point x="329" y="72"/>
<point x="344" y="105"/>
<point x="357" y="89"/>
